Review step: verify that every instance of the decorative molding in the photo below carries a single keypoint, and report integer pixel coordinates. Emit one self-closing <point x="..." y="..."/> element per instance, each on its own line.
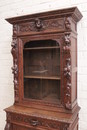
<point x="14" y="52"/>
<point x="40" y="25"/>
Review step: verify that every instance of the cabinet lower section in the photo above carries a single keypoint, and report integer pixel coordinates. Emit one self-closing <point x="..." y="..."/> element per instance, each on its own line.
<point x="32" y="119"/>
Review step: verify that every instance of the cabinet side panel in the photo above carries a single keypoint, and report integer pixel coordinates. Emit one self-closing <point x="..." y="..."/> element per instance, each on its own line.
<point x="74" y="68"/>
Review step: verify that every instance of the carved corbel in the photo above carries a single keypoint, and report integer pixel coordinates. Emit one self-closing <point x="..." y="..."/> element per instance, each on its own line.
<point x="67" y="23"/>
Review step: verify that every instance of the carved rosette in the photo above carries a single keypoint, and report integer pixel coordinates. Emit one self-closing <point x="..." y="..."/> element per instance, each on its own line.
<point x="67" y="70"/>
<point x="14" y="52"/>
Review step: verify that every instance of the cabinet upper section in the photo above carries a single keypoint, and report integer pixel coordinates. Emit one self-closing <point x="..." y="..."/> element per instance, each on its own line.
<point x="47" y="22"/>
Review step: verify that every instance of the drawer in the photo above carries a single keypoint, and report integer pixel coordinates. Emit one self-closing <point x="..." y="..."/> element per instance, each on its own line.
<point x="34" y="123"/>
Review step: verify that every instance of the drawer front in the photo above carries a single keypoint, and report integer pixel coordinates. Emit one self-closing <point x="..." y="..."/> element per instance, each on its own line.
<point x="25" y="122"/>
<point x="35" y="123"/>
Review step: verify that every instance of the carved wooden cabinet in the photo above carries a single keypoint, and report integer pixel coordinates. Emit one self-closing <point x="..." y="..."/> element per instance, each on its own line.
<point x="44" y="50"/>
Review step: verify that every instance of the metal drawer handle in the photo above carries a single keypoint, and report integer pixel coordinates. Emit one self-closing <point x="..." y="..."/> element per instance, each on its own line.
<point x="34" y="122"/>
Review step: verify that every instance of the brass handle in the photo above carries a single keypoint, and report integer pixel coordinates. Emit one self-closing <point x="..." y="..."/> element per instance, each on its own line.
<point x="34" y="122"/>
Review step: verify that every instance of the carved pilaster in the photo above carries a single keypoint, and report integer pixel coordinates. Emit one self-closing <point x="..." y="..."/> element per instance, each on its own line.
<point x="14" y="52"/>
<point x="67" y="70"/>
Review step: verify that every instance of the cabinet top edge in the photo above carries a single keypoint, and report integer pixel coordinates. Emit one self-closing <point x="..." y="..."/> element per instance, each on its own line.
<point x="66" y="12"/>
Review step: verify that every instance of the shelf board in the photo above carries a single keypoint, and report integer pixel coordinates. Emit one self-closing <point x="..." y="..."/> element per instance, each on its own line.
<point x="38" y="48"/>
<point x="43" y="77"/>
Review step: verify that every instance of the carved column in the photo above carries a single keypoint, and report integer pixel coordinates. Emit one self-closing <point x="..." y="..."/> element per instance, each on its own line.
<point x="67" y="65"/>
<point x="14" y="52"/>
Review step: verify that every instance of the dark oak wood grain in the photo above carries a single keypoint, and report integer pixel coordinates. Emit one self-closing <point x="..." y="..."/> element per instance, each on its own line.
<point x="44" y="50"/>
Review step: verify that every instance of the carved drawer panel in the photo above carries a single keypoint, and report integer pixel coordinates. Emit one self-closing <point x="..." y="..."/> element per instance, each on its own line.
<point x="37" y="123"/>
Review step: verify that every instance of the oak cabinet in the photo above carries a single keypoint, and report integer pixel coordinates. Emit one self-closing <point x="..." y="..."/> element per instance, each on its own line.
<point x="44" y="50"/>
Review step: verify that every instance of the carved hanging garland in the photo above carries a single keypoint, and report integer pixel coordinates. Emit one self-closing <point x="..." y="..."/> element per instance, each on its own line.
<point x="14" y="51"/>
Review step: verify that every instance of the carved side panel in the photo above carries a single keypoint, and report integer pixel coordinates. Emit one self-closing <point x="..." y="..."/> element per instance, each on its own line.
<point x="67" y="70"/>
<point x="14" y="52"/>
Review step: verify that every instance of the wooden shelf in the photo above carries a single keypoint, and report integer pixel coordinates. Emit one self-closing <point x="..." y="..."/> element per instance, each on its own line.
<point x="38" y="48"/>
<point x="43" y="77"/>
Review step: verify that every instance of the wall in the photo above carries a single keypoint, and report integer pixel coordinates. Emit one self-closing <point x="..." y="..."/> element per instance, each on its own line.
<point x="11" y="8"/>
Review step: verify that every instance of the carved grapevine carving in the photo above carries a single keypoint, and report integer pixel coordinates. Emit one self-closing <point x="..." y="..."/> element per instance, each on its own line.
<point x="14" y="52"/>
<point x="67" y="70"/>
